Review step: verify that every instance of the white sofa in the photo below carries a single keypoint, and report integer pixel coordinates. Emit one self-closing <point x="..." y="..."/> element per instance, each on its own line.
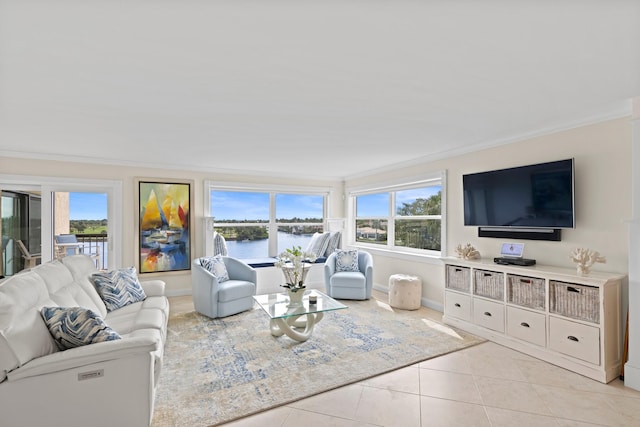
<point x="109" y="383"/>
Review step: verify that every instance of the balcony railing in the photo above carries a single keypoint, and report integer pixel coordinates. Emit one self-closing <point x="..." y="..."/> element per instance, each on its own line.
<point x="95" y="244"/>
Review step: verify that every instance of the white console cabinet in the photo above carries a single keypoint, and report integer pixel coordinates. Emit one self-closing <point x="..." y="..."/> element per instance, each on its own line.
<point x="547" y="312"/>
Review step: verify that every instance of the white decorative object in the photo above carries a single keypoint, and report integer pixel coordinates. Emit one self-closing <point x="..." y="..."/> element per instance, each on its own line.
<point x="467" y="252"/>
<point x="295" y="264"/>
<point x="585" y="258"/>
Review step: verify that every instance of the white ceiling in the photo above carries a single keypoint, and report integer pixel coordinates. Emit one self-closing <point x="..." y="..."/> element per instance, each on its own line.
<point x="325" y="89"/>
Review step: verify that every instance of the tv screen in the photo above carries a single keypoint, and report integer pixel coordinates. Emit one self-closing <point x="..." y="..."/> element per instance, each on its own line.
<point x="533" y="196"/>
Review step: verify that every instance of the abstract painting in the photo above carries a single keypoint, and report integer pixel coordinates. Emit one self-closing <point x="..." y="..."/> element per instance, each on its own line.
<point x="164" y="226"/>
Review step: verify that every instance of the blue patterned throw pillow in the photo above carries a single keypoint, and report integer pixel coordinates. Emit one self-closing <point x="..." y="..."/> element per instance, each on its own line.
<point x="118" y="288"/>
<point x="76" y="326"/>
<point x="215" y="265"/>
<point x="347" y="260"/>
<point x="318" y="244"/>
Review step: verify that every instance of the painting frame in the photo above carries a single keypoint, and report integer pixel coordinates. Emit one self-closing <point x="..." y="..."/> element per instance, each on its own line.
<point x="164" y="225"/>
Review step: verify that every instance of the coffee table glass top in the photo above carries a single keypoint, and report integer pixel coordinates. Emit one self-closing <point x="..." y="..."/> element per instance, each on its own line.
<point x="277" y="305"/>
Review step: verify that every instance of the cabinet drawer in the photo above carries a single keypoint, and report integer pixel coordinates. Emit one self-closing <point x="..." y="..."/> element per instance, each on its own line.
<point x="527" y="326"/>
<point x="488" y="314"/>
<point x="457" y="305"/>
<point x="575" y="339"/>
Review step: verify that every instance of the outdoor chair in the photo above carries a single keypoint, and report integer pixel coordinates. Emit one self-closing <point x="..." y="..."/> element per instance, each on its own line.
<point x="67" y="244"/>
<point x="30" y="260"/>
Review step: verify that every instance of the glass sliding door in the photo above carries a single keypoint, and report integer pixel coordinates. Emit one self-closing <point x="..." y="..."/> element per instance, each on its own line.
<point x="20" y="225"/>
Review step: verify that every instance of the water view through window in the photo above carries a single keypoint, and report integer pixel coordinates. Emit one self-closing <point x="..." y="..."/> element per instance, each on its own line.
<point x="250" y="249"/>
<point x="248" y="219"/>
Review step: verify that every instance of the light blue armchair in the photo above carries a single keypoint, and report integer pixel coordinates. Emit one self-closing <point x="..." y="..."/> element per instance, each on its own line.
<point x="355" y="285"/>
<point x="215" y="298"/>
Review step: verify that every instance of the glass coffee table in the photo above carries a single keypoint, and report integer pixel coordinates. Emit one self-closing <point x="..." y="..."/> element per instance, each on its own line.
<point x="296" y="321"/>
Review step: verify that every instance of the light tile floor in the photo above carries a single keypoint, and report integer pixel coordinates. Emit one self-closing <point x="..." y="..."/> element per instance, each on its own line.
<point x="484" y="385"/>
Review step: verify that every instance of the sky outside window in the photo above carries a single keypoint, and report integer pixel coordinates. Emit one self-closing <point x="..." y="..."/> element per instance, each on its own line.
<point x="298" y="206"/>
<point x="372" y="205"/>
<point x="239" y="206"/>
<point x="87" y="206"/>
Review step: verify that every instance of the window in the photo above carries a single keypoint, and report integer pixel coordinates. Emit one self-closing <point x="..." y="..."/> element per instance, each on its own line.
<point x="401" y="217"/>
<point x="42" y="224"/>
<point x="262" y="222"/>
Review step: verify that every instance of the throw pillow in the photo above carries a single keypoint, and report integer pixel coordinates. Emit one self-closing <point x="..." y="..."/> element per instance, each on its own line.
<point x="318" y="244"/>
<point x="347" y="260"/>
<point x="332" y="243"/>
<point x="220" y="245"/>
<point x="76" y="326"/>
<point x="118" y="288"/>
<point x="215" y="265"/>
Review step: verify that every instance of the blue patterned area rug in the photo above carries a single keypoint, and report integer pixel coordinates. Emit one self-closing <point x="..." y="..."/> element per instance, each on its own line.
<point x="218" y="370"/>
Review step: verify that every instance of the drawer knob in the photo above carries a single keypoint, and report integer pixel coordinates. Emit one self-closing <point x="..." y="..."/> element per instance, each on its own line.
<point x="572" y="289"/>
<point x="457" y="305"/>
<point x="524" y="324"/>
<point x="527" y="281"/>
<point x="486" y="313"/>
<point x="572" y="338"/>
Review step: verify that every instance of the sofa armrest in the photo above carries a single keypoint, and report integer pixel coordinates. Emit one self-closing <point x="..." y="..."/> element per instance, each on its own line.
<point x="153" y="288"/>
<point x="85" y="355"/>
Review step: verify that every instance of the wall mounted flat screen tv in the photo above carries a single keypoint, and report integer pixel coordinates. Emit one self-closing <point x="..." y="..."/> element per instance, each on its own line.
<point x="532" y="196"/>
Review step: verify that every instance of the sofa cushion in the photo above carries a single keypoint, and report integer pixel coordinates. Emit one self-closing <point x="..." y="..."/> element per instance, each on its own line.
<point x="235" y="289"/>
<point x="347" y="260"/>
<point x="118" y="288"/>
<point x="215" y="265"/>
<point x="76" y="326"/>
<point x="139" y="315"/>
<point x="24" y="334"/>
<point x="81" y="268"/>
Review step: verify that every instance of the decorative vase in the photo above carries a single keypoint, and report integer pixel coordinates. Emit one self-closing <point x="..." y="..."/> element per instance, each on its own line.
<point x="295" y="297"/>
<point x="293" y="275"/>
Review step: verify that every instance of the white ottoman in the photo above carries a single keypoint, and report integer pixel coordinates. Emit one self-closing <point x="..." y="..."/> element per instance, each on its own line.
<point x="405" y="291"/>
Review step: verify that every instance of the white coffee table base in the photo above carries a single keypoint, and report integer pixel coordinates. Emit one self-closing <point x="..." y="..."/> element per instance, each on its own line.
<point x="297" y="328"/>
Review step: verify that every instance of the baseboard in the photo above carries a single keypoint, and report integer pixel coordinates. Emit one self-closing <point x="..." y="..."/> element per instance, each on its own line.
<point x="178" y="293"/>
<point x="425" y="302"/>
<point x="631" y="376"/>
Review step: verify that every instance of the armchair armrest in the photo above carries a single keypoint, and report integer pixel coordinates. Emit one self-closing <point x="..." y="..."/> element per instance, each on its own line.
<point x="330" y="266"/>
<point x="239" y="270"/>
<point x="85" y="355"/>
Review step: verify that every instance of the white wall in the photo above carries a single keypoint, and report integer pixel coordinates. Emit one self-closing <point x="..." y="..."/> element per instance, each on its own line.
<point x="602" y="155"/>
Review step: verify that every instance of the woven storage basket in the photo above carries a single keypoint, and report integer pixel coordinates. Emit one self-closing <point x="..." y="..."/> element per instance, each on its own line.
<point x="575" y="301"/>
<point x="489" y="284"/>
<point x="526" y="291"/>
<point x="458" y="278"/>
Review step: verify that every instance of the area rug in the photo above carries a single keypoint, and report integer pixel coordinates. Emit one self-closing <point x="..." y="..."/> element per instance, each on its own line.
<point x="218" y="370"/>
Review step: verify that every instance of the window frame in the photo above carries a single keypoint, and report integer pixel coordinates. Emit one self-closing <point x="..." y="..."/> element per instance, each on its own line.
<point x="48" y="185"/>
<point x="272" y="190"/>
<point x="391" y="187"/>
